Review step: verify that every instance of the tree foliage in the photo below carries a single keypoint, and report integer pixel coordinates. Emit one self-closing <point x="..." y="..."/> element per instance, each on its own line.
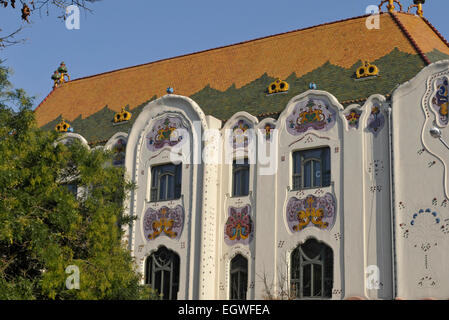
<point x="44" y="227"/>
<point x="26" y="9"/>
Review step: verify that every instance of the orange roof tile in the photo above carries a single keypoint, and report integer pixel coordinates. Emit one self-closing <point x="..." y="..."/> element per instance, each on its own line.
<point x="342" y="43"/>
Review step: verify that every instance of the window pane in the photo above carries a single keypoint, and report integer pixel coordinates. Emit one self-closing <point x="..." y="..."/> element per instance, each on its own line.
<point x="162" y="187"/>
<point x="73" y="188"/>
<point x="239" y="277"/>
<point x="166" y="285"/>
<point x="297" y="163"/>
<point x="243" y="285"/>
<point x="170" y="187"/>
<point x="157" y="285"/>
<point x="154" y="176"/>
<point x="326" y="167"/>
<point x="245" y="183"/>
<point x="307" y="280"/>
<point x="234" y="286"/>
<point x="307" y="174"/>
<point x="240" y="178"/>
<point x="316" y="174"/>
<point x="317" y="280"/>
<point x="237" y="179"/>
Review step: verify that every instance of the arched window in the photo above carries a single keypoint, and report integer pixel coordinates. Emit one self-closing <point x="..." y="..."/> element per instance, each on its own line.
<point x="239" y="278"/>
<point x="162" y="273"/>
<point x="312" y="270"/>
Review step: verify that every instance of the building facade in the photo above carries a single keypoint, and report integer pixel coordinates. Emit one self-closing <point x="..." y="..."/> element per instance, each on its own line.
<point x="319" y="198"/>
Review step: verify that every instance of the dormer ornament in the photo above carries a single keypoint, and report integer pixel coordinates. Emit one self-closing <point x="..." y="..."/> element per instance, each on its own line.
<point x="60" y="76"/>
<point x="122" y="116"/>
<point x="63" y="127"/>
<point x="417" y="4"/>
<point x="390" y="5"/>
<point x="367" y="70"/>
<point x="278" y="86"/>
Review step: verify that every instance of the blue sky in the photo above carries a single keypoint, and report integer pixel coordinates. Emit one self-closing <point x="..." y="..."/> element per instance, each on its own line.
<point x="123" y="33"/>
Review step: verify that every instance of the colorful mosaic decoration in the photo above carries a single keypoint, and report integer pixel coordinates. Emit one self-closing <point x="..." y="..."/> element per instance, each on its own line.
<point x="353" y="118"/>
<point x="165" y="221"/>
<point x="311" y="114"/>
<point x="268" y="131"/>
<point x="440" y="101"/>
<point x="424" y="231"/>
<point x="119" y="152"/>
<point x="168" y="131"/>
<point x="239" y="226"/>
<point x="424" y="224"/>
<point x="376" y="120"/>
<point x="319" y="212"/>
<point x="240" y="135"/>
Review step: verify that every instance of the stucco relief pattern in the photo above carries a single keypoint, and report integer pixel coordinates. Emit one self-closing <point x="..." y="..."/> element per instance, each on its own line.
<point x="311" y="211"/>
<point x="168" y="131"/>
<point x="310" y="114"/>
<point x="239" y="227"/>
<point x="424" y="232"/>
<point x="165" y="221"/>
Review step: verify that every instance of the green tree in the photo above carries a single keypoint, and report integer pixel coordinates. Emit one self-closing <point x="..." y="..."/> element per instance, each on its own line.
<point x="25" y="9"/>
<point x="44" y="227"/>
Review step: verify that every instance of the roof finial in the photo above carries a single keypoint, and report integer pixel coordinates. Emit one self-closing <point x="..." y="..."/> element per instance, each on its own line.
<point x="390" y="5"/>
<point x="60" y="76"/>
<point x="417" y="4"/>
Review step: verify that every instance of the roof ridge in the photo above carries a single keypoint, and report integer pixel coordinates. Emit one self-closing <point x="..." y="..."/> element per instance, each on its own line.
<point x="410" y="38"/>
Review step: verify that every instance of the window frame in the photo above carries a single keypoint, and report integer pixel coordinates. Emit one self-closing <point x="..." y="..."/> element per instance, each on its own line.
<point x="298" y="177"/>
<point x="241" y="273"/>
<point x="238" y="169"/>
<point x="156" y="180"/>
<point x="299" y="260"/>
<point x="153" y="266"/>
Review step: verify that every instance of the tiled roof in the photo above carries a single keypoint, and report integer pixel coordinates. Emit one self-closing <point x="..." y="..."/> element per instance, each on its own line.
<point x="340" y="44"/>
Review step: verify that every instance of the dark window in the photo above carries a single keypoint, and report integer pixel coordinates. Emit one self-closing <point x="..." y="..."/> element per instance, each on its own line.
<point x="162" y="273"/>
<point x="239" y="277"/>
<point x="72" y="188"/>
<point x="166" y="182"/>
<point x="312" y="270"/>
<point x="311" y="168"/>
<point x="240" y="178"/>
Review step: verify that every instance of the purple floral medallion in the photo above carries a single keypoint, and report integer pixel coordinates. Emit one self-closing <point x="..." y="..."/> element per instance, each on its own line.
<point x="319" y="212"/>
<point x="165" y="221"/>
<point x="312" y="114"/>
<point x="239" y="226"/>
<point x="168" y="131"/>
